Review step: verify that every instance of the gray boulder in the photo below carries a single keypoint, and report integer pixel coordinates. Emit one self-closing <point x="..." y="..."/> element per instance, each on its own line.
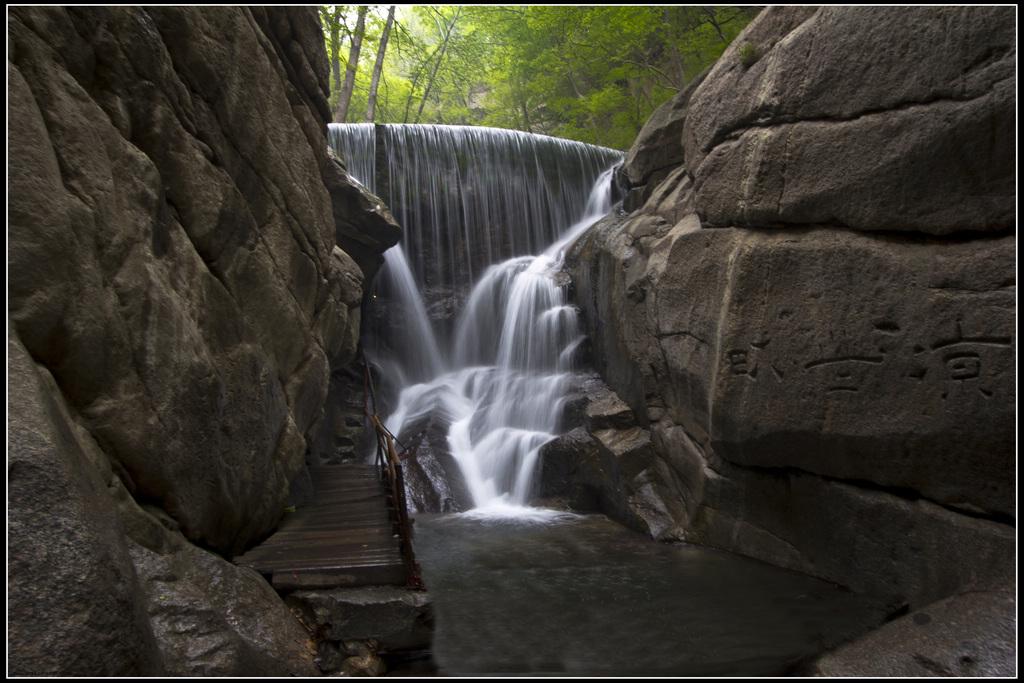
<point x="396" y="618"/>
<point x="577" y="475"/>
<point x="838" y="401"/>
<point x="605" y="464"/>
<point x="861" y="117"/>
<point x="972" y="634"/>
<point x="433" y="479"/>
<point x="98" y="584"/>
<point x="172" y="247"/>
<point x="897" y="392"/>
<point x="657" y="147"/>
<point x="211" y="618"/>
<point x="74" y="607"/>
<point x="174" y="273"/>
<point x="355" y="210"/>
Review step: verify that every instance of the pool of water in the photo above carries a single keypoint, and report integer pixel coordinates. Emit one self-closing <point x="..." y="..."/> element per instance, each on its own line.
<point x="567" y="595"/>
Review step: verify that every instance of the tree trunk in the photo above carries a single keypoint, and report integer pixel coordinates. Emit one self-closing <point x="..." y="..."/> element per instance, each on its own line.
<point x="345" y="98"/>
<point x="412" y="94"/>
<point x="710" y="12"/>
<point x="336" y="53"/>
<point x="526" y="117"/>
<point x="437" y="65"/>
<point x="673" y="50"/>
<point x="378" y="66"/>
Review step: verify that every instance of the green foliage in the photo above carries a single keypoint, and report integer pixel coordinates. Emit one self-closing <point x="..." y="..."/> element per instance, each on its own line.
<point x="748" y="54"/>
<point x="593" y="74"/>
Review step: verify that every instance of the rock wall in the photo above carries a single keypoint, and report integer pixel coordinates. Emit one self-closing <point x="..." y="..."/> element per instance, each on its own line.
<point x="179" y="292"/>
<point x="809" y="300"/>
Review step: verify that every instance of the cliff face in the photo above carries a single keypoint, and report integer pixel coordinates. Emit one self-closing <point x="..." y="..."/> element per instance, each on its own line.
<point x="811" y="301"/>
<point x="179" y="293"/>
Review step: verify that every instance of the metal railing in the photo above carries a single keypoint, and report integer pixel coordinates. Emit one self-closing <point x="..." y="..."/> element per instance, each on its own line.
<point x="389" y="465"/>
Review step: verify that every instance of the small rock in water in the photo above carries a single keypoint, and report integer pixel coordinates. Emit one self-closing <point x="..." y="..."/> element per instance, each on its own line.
<point x="364" y="665"/>
<point x="364" y="660"/>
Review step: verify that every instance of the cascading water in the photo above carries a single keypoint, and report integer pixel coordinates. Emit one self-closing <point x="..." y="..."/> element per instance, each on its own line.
<point x="517" y="590"/>
<point x="468" y="197"/>
<point x="476" y="200"/>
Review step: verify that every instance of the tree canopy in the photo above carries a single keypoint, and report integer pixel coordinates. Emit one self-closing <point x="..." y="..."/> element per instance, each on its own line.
<point x="593" y="74"/>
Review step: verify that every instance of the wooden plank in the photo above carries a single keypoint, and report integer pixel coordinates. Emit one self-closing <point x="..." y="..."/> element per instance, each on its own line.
<point x="318" y="550"/>
<point x="315" y="557"/>
<point x="328" y="534"/>
<point x="345" y="536"/>
<point x="328" y="563"/>
<point x="336" y="516"/>
<point x="298" y="543"/>
<point x="310" y="563"/>
<point x="384" y="526"/>
<point x="347" y="576"/>
<point x="365" y="524"/>
<point x="356" y="538"/>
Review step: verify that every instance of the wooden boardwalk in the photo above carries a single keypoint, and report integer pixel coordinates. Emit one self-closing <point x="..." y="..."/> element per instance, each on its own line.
<point x="346" y="537"/>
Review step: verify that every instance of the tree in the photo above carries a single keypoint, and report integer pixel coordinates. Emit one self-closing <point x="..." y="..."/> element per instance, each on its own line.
<point x="445" y="26"/>
<point x="378" y="66"/>
<point x="597" y="73"/>
<point x="332" y="21"/>
<point x="593" y="74"/>
<point x="345" y="96"/>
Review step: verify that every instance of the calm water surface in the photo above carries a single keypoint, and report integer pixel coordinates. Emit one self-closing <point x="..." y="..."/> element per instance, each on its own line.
<point x="561" y="594"/>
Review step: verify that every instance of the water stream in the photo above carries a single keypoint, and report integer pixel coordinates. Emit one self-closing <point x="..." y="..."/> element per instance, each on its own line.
<point x="488" y="214"/>
<point x="470" y="324"/>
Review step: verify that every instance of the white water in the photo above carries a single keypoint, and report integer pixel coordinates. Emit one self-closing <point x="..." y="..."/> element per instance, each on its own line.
<point x="501" y="384"/>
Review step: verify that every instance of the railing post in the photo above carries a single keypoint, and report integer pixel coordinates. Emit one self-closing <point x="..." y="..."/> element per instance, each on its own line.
<point x="389" y="465"/>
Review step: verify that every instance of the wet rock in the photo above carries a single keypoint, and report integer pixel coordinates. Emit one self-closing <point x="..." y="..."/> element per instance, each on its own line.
<point x="172" y="240"/>
<point x="876" y="118"/>
<point x="604" y="464"/>
<point x="657" y="147"/>
<point x="575" y="476"/>
<point x="900" y="550"/>
<point x="395" y="618"/>
<point x="364" y="226"/>
<point x="344" y="435"/>
<point x="363" y="660"/>
<point x="211" y="618"/>
<point x="329" y="658"/>
<point x="655" y="504"/>
<point x="970" y="634"/>
<point x="608" y="411"/>
<point x="443" y="307"/>
<point x="579" y="474"/>
<point x="875" y="358"/>
<point x="590" y="403"/>
<point x="433" y="479"/>
<point x="813" y="361"/>
<point x="193" y="596"/>
<point x="74" y="607"/>
<point x="139" y="596"/>
<point x="173" y="265"/>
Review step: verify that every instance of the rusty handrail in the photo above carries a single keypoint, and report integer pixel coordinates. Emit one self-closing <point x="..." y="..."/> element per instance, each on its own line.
<point x="389" y="464"/>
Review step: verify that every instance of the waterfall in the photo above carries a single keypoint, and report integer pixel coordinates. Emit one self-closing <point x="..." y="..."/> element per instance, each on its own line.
<point x="470" y="320"/>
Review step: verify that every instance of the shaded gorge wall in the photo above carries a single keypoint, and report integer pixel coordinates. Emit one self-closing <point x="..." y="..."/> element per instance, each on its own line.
<point x="811" y="307"/>
<point x="185" y="270"/>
